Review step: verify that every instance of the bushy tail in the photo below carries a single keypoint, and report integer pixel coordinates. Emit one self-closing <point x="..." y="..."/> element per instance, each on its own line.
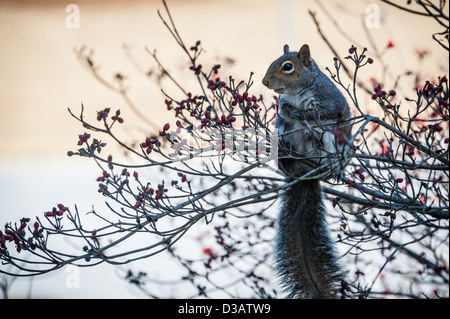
<point x="306" y="259"/>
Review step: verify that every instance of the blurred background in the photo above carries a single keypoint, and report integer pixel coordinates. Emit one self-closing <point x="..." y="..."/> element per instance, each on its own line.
<point x="40" y="77"/>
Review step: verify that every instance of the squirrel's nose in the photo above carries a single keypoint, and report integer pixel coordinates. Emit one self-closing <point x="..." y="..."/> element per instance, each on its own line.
<point x="265" y="82"/>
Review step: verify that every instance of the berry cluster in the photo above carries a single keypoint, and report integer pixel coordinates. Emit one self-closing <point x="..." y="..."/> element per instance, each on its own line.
<point x="103" y="115"/>
<point x="27" y="240"/>
<point x="150" y="143"/>
<point x="183" y="104"/>
<point x="56" y="211"/>
<point x="83" y="138"/>
<point x="197" y="69"/>
<point x="147" y="194"/>
<point x="213" y="85"/>
<point x="379" y="93"/>
<point x="245" y="101"/>
<point x="17" y="234"/>
<point x="226" y="120"/>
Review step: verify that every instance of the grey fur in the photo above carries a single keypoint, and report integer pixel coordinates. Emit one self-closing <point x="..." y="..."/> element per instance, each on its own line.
<point x="311" y="108"/>
<point x="307" y="262"/>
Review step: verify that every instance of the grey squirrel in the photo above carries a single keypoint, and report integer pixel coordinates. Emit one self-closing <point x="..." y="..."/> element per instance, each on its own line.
<point x="311" y="134"/>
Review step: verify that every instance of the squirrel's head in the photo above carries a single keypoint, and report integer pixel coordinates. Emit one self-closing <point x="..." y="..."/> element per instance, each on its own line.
<point x="284" y="73"/>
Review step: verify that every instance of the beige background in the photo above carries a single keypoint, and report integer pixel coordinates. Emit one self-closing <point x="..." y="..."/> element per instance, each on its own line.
<point x="40" y="78"/>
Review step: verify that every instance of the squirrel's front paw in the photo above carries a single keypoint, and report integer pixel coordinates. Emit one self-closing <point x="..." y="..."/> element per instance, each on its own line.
<point x="315" y="105"/>
<point x="294" y="114"/>
<point x="337" y="172"/>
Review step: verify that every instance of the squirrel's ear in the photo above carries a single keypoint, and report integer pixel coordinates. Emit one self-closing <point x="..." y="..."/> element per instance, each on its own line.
<point x="286" y="49"/>
<point x="305" y="55"/>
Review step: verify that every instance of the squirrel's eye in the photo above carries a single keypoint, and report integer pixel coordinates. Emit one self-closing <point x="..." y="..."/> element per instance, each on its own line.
<point x="287" y="67"/>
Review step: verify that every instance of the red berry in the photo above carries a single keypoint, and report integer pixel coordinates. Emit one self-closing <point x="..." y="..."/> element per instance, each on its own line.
<point x="99" y="116"/>
<point x="377" y="88"/>
<point x="335" y="201"/>
<point x="381" y="93"/>
<point x="166" y="126"/>
<point x="83" y="138"/>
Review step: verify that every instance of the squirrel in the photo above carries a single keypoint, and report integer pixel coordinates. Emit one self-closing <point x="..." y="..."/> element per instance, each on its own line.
<point x="312" y="132"/>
